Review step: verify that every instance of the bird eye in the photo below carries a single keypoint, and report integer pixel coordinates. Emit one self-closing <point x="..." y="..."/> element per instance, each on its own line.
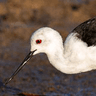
<point x="38" y="41"/>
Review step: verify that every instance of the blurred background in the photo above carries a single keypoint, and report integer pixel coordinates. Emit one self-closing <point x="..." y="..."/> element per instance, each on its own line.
<point x="18" y="20"/>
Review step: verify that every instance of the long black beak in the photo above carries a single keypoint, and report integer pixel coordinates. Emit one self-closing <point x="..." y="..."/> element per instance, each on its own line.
<point x="20" y="67"/>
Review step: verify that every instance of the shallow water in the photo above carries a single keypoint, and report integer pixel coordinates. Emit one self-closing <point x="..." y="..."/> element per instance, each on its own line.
<point x="39" y="76"/>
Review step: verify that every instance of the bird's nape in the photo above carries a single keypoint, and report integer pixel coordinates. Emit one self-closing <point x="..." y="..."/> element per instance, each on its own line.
<point x="27" y="58"/>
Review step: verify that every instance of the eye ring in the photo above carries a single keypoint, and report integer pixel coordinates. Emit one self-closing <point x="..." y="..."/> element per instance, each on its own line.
<point x="38" y="41"/>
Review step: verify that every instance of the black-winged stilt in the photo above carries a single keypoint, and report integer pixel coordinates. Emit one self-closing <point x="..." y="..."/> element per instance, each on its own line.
<point x="77" y="54"/>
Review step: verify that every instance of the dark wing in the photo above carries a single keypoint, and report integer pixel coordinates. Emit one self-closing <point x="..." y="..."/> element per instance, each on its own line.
<point x="87" y="31"/>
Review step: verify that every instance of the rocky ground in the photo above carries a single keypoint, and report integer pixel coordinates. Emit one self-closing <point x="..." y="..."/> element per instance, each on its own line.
<point x="18" y="20"/>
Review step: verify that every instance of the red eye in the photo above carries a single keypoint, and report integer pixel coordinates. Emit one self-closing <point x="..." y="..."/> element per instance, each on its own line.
<point x="38" y="41"/>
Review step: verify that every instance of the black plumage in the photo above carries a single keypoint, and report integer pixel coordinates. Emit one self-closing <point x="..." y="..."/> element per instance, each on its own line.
<point x="87" y="31"/>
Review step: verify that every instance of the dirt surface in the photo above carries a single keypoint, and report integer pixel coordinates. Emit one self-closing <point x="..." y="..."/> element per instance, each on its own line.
<point x="18" y="20"/>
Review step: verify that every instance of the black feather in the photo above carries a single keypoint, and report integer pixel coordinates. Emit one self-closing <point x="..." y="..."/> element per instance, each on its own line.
<point x="87" y="31"/>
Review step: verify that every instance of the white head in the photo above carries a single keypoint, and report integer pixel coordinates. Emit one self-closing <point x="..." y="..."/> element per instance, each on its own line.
<point x="45" y="40"/>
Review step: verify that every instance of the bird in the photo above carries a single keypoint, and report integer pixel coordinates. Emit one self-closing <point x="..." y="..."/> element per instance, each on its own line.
<point x="77" y="54"/>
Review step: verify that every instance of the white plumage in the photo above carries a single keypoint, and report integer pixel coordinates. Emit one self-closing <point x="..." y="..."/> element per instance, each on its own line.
<point x="72" y="57"/>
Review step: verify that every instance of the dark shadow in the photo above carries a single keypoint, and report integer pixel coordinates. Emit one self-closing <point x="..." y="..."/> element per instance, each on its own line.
<point x="8" y="90"/>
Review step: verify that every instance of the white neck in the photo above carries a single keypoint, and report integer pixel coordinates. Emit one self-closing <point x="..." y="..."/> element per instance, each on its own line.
<point x="55" y="53"/>
<point x="57" y="59"/>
